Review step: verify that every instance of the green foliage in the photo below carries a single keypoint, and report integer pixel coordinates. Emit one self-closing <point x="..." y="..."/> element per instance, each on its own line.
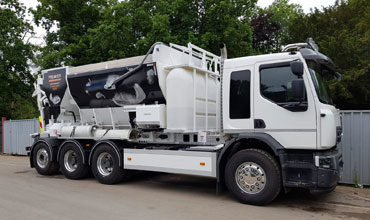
<point x="265" y="32"/>
<point x="93" y="31"/>
<point x="284" y="13"/>
<point x="67" y="23"/>
<point x="88" y="31"/>
<point x="271" y="25"/>
<point x="15" y="53"/>
<point x="342" y="32"/>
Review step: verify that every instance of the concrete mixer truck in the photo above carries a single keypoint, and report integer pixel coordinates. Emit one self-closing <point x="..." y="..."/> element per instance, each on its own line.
<point x="257" y="124"/>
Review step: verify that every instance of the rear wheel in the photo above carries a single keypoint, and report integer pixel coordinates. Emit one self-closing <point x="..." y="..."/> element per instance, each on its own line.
<point x="71" y="162"/>
<point x="253" y="177"/>
<point x="105" y="165"/>
<point x="42" y="160"/>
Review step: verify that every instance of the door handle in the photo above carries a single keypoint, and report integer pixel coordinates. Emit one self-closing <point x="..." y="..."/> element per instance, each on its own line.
<point x="259" y="123"/>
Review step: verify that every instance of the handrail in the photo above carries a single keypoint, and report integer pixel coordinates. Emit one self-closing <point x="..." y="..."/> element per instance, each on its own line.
<point x="208" y="61"/>
<point x="295" y="46"/>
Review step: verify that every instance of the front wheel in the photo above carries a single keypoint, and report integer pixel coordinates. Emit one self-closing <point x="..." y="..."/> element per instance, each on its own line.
<point x="253" y="177"/>
<point x="105" y="165"/>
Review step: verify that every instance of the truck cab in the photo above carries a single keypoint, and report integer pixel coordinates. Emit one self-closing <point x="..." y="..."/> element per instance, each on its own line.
<point x="263" y="94"/>
<point x="282" y="100"/>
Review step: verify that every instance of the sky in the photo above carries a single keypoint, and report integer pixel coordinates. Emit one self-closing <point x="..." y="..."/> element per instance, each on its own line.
<point x="306" y="5"/>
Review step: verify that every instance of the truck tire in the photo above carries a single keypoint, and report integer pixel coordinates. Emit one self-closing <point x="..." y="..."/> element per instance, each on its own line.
<point x="71" y="162"/>
<point x="41" y="160"/>
<point x="105" y="165"/>
<point x="253" y="177"/>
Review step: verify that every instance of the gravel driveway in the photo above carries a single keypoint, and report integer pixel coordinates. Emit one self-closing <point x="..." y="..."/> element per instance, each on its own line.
<point x="24" y="194"/>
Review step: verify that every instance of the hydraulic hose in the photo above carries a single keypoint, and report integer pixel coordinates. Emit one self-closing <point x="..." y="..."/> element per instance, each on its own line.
<point x="129" y="73"/>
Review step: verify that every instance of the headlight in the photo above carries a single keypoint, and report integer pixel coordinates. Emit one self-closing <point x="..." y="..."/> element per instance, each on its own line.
<point x="339" y="133"/>
<point x="325" y="162"/>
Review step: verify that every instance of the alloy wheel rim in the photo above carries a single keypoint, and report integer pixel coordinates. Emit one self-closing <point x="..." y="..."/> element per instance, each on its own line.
<point x="70" y="161"/>
<point x="105" y="164"/>
<point x="250" y="178"/>
<point x="42" y="158"/>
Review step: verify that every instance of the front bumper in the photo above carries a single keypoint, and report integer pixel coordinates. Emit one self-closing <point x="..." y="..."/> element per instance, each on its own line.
<point x="330" y="167"/>
<point x="318" y="171"/>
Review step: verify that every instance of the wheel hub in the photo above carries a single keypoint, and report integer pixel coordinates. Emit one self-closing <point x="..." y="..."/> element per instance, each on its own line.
<point x="70" y="161"/>
<point x="250" y="177"/>
<point x="105" y="164"/>
<point x="42" y="158"/>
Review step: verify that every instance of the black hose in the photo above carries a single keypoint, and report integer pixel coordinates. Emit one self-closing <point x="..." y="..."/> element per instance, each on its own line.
<point x="129" y="73"/>
<point x="74" y="116"/>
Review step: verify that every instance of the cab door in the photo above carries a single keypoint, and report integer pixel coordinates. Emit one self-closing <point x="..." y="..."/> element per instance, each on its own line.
<point x="238" y="99"/>
<point x="292" y="123"/>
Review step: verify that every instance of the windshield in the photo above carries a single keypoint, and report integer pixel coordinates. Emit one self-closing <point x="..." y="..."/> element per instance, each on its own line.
<point x="320" y="77"/>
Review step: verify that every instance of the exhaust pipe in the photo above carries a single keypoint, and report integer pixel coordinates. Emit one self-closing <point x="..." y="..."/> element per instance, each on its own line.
<point x="223" y="51"/>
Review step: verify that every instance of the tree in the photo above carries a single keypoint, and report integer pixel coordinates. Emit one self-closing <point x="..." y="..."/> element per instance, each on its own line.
<point x="265" y="32"/>
<point x="15" y="53"/>
<point x="271" y="25"/>
<point x="284" y="13"/>
<point x="342" y="32"/>
<point x="67" y="23"/>
<point x="96" y="30"/>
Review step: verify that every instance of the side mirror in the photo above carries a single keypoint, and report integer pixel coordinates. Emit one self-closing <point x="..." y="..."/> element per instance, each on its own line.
<point x="297" y="68"/>
<point x="298" y="89"/>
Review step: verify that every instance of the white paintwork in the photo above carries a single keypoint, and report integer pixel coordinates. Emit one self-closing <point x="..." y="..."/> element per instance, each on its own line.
<point x="89" y="131"/>
<point x="179" y="100"/>
<point x="190" y="87"/>
<point x="87" y="116"/>
<point x="327" y="126"/>
<point x="201" y="163"/>
<point x="187" y="101"/>
<point x="231" y="125"/>
<point x="76" y="131"/>
<point x="109" y="64"/>
<point x="54" y="129"/>
<point x="164" y="57"/>
<point x="293" y="130"/>
<point x="151" y="115"/>
<point x="122" y="134"/>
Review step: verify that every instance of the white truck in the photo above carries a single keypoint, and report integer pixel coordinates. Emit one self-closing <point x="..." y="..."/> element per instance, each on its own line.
<point x="257" y="124"/>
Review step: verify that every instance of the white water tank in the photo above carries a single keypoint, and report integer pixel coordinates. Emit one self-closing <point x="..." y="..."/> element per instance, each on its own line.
<point x="180" y="100"/>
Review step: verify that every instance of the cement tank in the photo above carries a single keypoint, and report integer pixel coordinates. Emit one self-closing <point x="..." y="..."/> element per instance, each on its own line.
<point x="185" y="80"/>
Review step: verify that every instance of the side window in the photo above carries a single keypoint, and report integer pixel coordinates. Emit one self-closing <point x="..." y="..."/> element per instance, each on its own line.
<point x="240" y="94"/>
<point x="276" y="84"/>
